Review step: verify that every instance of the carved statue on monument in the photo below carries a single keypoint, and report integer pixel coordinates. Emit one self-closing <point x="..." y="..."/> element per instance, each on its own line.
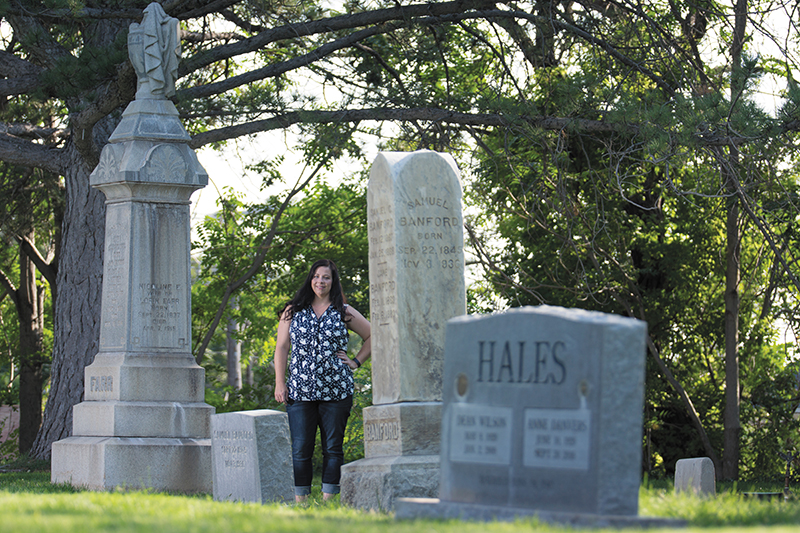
<point x="155" y="49"/>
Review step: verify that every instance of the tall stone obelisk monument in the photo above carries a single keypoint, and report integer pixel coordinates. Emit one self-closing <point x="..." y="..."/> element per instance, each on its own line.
<point x="416" y="278"/>
<point x="143" y="422"/>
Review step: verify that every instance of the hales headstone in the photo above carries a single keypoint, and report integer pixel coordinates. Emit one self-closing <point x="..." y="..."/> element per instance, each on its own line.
<point x="542" y="415"/>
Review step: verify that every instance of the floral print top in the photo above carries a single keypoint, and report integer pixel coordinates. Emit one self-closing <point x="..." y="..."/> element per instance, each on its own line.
<point x="315" y="372"/>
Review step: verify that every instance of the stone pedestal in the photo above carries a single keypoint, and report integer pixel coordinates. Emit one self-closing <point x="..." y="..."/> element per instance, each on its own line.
<point x="401" y="448"/>
<point x="143" y="422"/>
<point x="103" y="463"/>
<point x="416" y="270"/>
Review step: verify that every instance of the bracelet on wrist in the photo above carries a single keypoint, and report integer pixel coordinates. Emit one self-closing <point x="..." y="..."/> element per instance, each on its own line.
<point x="357" y="362"/>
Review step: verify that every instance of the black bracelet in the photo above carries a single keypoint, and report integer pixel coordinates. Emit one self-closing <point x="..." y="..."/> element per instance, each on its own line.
<point x="358" y="363"/>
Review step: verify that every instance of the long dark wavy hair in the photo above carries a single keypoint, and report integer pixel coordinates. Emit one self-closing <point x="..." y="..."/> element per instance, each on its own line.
<point x="304" y="296"/>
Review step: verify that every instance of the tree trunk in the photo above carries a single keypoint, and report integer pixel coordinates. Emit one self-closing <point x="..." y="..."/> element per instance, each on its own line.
<point x="249" y="372"/>
<point x="77" y="307"/>
<point x="234" y="354"/>
<point x="730" y="456"/>
<point x="732" y="427"/>
<point x="31" y="333"/>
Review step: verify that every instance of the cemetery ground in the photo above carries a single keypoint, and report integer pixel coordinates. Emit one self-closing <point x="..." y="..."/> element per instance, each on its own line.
<point x="30" y="503"/>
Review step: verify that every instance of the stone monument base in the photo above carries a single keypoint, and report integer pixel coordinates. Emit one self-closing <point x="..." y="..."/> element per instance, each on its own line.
<point x="142" y="419"/>
<point x="104" y="463"/>
<point x="433" y="508"/>
<point x="377" y="482"/>
<point x="403" y="428"/>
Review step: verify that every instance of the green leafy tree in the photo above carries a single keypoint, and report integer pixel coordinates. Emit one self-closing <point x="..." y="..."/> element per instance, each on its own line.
<point x="26" y="212"/>
<point x="637" y="210"/>
<point x="325" y="222"/>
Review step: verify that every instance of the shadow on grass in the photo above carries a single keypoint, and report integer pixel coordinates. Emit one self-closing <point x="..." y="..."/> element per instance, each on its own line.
<point x="32" y="482"/>
<point x="30" y="475"/>
<point x="730" y="507"/>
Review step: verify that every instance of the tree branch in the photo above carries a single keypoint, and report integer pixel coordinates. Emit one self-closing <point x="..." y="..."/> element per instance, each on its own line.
<point x="276" y="69"/>
<point x="19" y="85"/>
<point x="263" y="248"/>
<point x="328" y="25"/>
<point x="432" y="114"/>
<point x="184" y="10"/>
<point x="404" y="115"/>
<point x="16" y="151"/>
<point x="230" y="16"/>
<point x="59" y="15"/>
<point x="33" y="132"/>
<point x="200" y="37"/>
<point x="178" y="8"/>
<point x="21" y="76"/>
<point x="41" y="263"/>
<point x="392" y="71"/>
<point x="10" y="290"/>
<point x="12" y="66"/>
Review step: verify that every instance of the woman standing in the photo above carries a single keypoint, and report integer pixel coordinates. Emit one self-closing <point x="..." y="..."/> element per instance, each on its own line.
<point x="319" y="390"/>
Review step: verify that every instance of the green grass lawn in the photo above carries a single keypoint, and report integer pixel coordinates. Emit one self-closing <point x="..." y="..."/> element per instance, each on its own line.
<point x="30" y="503"/>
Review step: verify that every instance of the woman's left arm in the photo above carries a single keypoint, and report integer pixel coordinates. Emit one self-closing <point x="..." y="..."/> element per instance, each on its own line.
<point x="361" y="326"/>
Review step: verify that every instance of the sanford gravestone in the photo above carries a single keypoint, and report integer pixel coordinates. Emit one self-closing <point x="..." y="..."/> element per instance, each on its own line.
<point x="542" y="412"/>
<point x="416" y="271"/>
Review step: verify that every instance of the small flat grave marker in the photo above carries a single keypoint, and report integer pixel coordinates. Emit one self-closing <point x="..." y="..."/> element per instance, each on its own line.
<point x="696" y="475"/>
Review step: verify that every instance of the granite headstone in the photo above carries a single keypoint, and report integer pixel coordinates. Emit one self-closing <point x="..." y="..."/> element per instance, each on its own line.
<point x="416" y="272"/>
<point x="696" y="475"/>
<point x="251" y="456"/>
<point x="542" y="415"/>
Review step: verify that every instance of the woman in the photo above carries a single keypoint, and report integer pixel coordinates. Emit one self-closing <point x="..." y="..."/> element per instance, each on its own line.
<point x="319" y="391"/>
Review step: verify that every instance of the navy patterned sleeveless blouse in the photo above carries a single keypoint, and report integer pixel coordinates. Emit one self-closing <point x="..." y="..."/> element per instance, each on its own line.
<point x="315" y="373"/>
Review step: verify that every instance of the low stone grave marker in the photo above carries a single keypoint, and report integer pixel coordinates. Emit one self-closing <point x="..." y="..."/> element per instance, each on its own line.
<point x="251" y="456"/>
<point x="696" y="475"/>
<point x="542" y="416"/>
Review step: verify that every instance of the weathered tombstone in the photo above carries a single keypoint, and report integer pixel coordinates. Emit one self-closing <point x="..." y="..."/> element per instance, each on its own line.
<point x="416" y="271"/>
<point x="9" y="421"/>
<point x="542" y="415"/>
<point x="251" y="456"/>
<point x="143" y="422"/>
<point x="696" y="475"/>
